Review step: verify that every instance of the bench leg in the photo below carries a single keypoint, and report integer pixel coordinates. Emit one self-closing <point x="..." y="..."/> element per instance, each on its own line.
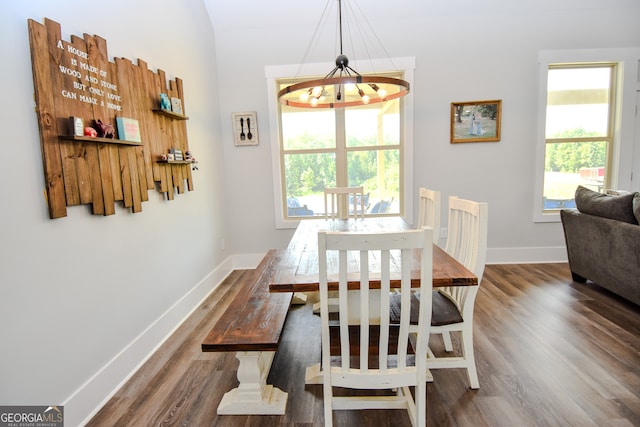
<point x="254" y="396"/>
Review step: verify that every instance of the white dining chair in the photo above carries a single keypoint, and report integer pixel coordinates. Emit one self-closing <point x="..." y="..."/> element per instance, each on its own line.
<point x="454" y="305"/>
<point x="344" y="202"/>
<point x="429" y="211"/>
<point x="389" y="369"/>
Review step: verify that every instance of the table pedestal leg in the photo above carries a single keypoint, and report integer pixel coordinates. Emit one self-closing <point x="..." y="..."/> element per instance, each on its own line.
<point x="299" y="298"/>
<point x="313" y="374"/>
<point x="254" y="396"/>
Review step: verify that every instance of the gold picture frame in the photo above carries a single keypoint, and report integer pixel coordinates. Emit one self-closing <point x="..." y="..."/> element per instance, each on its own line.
<point x="476" y="121"/>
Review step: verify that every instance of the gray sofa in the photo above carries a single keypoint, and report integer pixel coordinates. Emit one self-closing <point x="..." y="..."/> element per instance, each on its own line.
<point x="603" y="241"/>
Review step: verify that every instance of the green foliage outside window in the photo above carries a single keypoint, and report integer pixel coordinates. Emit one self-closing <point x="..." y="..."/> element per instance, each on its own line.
<point x="309" y="173"/>
<point x="363" y="170"/>
<point x="570" y="157"/>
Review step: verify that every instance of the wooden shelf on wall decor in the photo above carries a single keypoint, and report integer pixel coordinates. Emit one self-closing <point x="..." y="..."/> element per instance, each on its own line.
<point x="98" y="139"/>
<point x="177" y="162"/>
<point x="102" y="172"/>
<point x="171" y="114"/>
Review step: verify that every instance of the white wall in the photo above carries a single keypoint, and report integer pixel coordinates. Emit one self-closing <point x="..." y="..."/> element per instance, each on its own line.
<point x="83" y="299"/>
<point x="465" y="50"/>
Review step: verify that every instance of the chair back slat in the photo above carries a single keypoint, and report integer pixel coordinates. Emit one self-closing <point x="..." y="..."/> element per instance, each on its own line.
<point x="405" y="315"/>
<point x="385" y="291"/>
<point x="364" y="312"/>
<point x="343" y="297"/>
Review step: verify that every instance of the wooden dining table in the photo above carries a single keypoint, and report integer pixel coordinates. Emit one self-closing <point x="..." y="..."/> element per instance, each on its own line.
<point x="297" y="267"/>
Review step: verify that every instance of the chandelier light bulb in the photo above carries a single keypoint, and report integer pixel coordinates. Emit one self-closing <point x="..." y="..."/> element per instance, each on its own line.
<point x="316" y="91"/>
<point x="314" y="102"/>
<point x="365" y="98"/>
<point x="381" y="92"/>
<point x="304" y="96"/>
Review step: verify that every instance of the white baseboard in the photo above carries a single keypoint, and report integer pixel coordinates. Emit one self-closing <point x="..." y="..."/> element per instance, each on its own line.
<point x="87" y="400"/>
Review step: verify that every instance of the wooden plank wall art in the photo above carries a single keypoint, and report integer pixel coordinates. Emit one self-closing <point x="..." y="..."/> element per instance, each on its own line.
<point x="77" y="87"/>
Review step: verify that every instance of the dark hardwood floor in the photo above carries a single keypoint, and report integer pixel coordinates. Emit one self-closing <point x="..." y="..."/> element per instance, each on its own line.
<point x="550" y="352"/>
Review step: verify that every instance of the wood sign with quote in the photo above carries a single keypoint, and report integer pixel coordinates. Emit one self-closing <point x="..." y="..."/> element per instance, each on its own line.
<point x="76" y="87"/>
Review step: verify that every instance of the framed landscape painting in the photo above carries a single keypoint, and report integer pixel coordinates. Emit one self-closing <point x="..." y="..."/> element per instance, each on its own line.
<point x="476" y="121"/>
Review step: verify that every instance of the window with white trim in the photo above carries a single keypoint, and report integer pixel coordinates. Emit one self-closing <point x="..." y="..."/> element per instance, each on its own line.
<point x="579" y="130"/>
<point x="586" y="125"/>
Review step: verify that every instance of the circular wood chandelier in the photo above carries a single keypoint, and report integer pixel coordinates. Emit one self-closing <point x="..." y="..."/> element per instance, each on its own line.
<point x="343" y="86"/>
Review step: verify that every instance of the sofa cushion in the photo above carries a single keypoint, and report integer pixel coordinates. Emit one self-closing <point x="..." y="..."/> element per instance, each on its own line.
<point x="636" y="206"/>
<point x="615" y="207"/>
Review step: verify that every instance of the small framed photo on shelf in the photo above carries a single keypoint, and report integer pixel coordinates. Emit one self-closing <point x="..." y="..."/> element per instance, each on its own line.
<point x="128" y="129"/>
<point x="76" y="126"/>
<point x="165" y="103"/>
<point x="476" y="121"/>
<point x="176" y="105"/>
<point x="177" y="154"/>
<point x="245" y="128"/>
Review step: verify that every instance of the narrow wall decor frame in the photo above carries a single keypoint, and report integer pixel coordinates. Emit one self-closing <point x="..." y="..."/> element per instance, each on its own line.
<point x="245" y="128"/>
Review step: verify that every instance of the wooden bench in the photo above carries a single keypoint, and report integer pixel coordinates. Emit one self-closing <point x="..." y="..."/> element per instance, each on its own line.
<point x="252" y="327"/>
